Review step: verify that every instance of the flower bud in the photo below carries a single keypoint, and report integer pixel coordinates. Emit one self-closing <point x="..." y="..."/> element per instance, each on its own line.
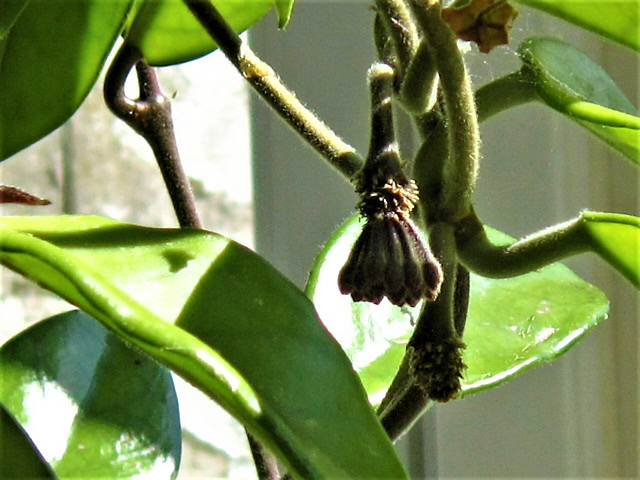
<point x="438" y="367"/>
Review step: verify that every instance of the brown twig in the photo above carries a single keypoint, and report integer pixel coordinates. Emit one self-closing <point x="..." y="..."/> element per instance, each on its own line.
<point x="150" y="116"/>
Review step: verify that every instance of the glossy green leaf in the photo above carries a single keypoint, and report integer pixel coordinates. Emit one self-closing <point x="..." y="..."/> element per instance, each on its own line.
<point x="570" y="82"/>
<point x="19" y="458"/>
<point x="513" y="324"/>
<point x="616" y="238"/>
<point x="48" y="63"/>
<point x="93" y="406"/>
<point x="167" y="33"/>
<point x="225" y="320"/>
<point x="11" y="10"/>
<point x="618" y="20"/>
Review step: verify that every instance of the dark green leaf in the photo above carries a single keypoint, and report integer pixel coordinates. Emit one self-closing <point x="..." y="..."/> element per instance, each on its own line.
<point x="224" y="319"/>
<point x="618" y="20"/>
<point x="19" y="458"/>
<point x="167" y="32"/>
<point x="570" y="82"/>
<point x="11" y="10"/>
<point x="513" y="324"/>
<point x="48" y="63"/>
<point x="94" y="407"/>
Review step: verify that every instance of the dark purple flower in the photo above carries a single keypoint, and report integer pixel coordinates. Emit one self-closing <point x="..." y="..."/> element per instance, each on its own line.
<point x="390" y="258"/>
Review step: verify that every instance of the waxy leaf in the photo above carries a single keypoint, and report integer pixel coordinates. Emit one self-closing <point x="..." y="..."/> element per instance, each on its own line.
<point x="167" y="33"/>
<point x="616" y="238"/>
<point x="49" y="61"/>
<point x="11" y="10"/>
<point x="19" y="458"/>
<point x="570" y="82"/>
<point x="93" y="406"/>
<point x="618" y="20"/>
<point x="226" y="321"/>
<point x="513" y="324"/>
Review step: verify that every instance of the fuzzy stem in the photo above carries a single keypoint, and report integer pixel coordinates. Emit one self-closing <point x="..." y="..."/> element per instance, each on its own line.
<point x="436" y="319"/>
<point x="384" y="45"/>
<point x="485" y="258"/>
<point x="405" y="412"/>
<point x="429" y="166"/>
<point x="399" y="386"/>
<point x="264" y="80"/>
<point x="401" y="29"/>
<point x="407" y="398"/>
<point x="420" y="83"/>
<point x="150" y="116"/>
<point x="459" y="109"/>
<point x="382" y="138"/>
<point x="461" y="299"/>
<point x="504" y="93"/>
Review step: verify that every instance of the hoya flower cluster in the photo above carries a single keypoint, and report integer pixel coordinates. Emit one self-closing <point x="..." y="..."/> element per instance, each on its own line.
<point x="390" y="258"/>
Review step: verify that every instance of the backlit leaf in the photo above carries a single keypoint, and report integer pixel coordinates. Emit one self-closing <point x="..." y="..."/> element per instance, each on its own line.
<point x="167" y="32"/>
<point x="570" y="82"/>
<point x="618" y="20"/>
<point x="616" y="238"/>
<point x="513" y="324"/>
<point x="93" y="406"/>
<point x="225" y="320"/>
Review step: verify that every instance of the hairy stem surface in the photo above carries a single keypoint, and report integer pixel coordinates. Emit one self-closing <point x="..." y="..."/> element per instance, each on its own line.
<point x="481" y="256"/>
<point x="266" y="82"/>
<point x="459" y="108"/>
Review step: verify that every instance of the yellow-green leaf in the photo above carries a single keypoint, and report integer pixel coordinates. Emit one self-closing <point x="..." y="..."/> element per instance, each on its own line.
<point x="618" y="20"/>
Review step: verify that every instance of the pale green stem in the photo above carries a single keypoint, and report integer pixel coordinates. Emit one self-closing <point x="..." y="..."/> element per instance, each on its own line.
<point x="459" y="107"/>
<point x="480" y="255"/>
<point x="420" y="83"/>
<point x="504" y="93"/>
<point x="266" y="82"/>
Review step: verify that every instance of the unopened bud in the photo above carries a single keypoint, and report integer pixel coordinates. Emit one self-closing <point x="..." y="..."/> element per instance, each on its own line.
<point x="438" y="367"/>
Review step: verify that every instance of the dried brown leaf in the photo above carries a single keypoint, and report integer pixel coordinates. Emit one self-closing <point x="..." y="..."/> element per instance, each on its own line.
<point x="485" y="22"/>
<point x="9" y="194"/>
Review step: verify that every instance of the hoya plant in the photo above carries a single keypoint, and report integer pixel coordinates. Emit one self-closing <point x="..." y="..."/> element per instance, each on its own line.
<point x="413" y="300"/>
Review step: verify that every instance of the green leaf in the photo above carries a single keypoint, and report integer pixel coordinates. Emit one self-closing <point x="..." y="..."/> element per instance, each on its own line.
<point x="19" y="458"/>
<point x="513" y="324"/>
<point x="11" y="10"/>
<point x="225" y="320"/>
<point x="618" y="20"/>
<point x="167" y="33"/>
<point x="284" y="8"/>
<point x="48" y="63"/>
<point x="94" y="407"/>
<point x="570" y="82"/>
<point x="616" y="238"/>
